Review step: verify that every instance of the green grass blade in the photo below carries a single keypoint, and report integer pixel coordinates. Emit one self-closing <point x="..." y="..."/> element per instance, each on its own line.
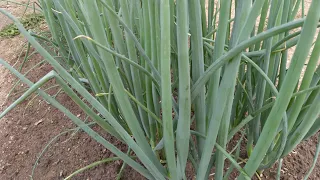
<point x="25" y="95"/>
<point x="299" y="133"/>
<point x="184" y="121"/>
<point x="197" y="70"/>
<point x="307" y="78"/>
<point x="279" y="169"/>
<point x="92" y="165"/>
<point x="166" y="102"/>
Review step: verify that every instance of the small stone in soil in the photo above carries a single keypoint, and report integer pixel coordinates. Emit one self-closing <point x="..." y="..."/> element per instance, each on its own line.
<point x="24" y="129"/>
<point x="61" y="173"/>
<point x="37" y="123"/>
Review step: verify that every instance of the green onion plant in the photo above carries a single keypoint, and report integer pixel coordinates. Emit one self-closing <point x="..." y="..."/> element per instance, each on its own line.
<point x="176" y="80"/>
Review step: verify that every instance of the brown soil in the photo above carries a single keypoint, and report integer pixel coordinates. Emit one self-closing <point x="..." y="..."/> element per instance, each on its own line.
<point x="26" y="130"/>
